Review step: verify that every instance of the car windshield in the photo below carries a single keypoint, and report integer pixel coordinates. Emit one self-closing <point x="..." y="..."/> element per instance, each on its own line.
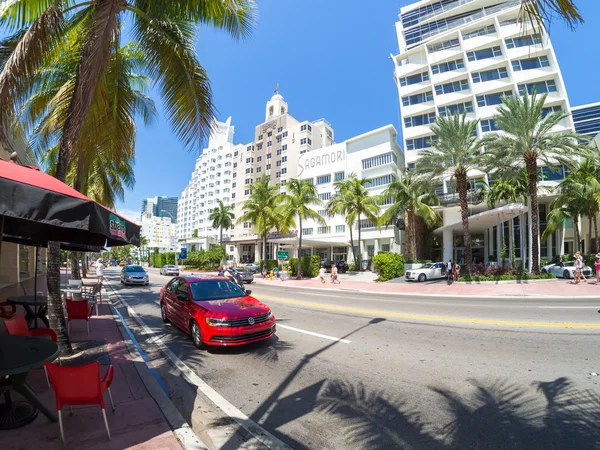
<point x="134" y="269"/>
<point x="215" y="290"/>
<point x="169" y="267"/>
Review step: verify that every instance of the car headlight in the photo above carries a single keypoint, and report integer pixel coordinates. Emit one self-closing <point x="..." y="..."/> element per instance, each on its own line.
<point x="214" y="322"/>
<point x="269" y="315"/>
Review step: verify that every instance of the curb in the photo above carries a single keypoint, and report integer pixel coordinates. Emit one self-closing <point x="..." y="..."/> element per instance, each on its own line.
<point x="180" y="428"/>
<point x="447" y="296"/>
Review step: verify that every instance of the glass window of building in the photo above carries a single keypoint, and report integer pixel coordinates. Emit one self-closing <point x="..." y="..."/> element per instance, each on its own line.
<point x="484" y="53"/>
<point x="417" y="98"/>
<point x="490" y="29"/>
<point x="416" y="121"/>
<point x="413" y="79"/>
<point x="455" y="86"/>
<point x="324" y="179"/>
<point x="339" y="176"/>
<point x="530" y="63"/>
<point x="459" y="107"/>
<point x="488" y="125"/>
<point x="523" y="41"/>
<point x="541" y="87"/>
<point x="448" y="66"/>
<point x="492" y="99"/>
<point x="489" y="75"/>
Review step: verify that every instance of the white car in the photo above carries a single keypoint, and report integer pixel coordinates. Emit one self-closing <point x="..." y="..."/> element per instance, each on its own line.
<point x="565" y="270"/>
<point x="431" y="271"/>
<point x="169" y="270"/>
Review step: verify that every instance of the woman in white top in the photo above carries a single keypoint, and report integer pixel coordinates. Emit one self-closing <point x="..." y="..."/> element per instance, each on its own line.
<point x="100" y="269"/>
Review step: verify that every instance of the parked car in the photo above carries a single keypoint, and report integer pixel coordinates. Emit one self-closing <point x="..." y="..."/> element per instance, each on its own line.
<point x="429" y="271"/>
<point x="134" y="275"/>
<point x="341" y="265"/>
<point x="252" y="267"/>
<point x="215" y="312"/>
<point x="565" y="270"/>
<point x="243" y="276"/>
<point x="169" y="270"/>
<point x="122" y="263"/>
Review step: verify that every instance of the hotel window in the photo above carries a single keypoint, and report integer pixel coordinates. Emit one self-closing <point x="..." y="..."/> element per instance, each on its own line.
<point x="249" y="170"/>
<point x="480" y="32"/>
<point x="385" y="247"/>
<point x="233" y="185"/>
<point x="234" y="165"/>
<point x="541" y="87"/>
<point x="489" y="75"/>
<point x="488" y="125"/>
<point x="379" y="160"/>
<point x="552" y="173"/>
<point x="324" y="179"/>
<point x="248" y="181"/>
<point x="284" y="170"/>
<point x="302" y="141"/>
<point x="339" y="176"/>
<point x="323" y="230"/>
<point x="307" y="231"/>
<point x="309" y="128"/>
<point x="325" y="196"/>
<point x="269" y="143"/>
<point x="268" y="167"/>
<point x="416" y="121"/>
<point x="259" y="147"/>
<point x="247" y="224"/>
<point x="249" y="148"/>
<point x="322" y="212"/>
<point x="303" y="127"/>
<point x="511" y="21"/>
<point x="246" y="191"/>
<point x="284" y="135"/>
<point x="268" y="155"/>
<point x="249" y="160"/>
<point x="379" y="181"/>
<point x="284" y="159"/>
<point x="278" y="163"/>
<point x="278" y="138"/>
<point x="228" y="164"/>
<point x="530" y="63"/>
<point x="279" y="129"/>
<point x="284" y="147"/>
<point x="417" y="98"/>
<point x="411" y="166"/>
<point x="455" y="86"/>
<point x="413" y="79"/>
<point x="259" y="138"/>
<point x="234" y="154"/>
<point x="419" y="143"/>
<point x="452" y="43"/>
<point x="448" y="66"/>
<point x="492" y="99"/>
<point x="269" y="134"/>
<point x="309" y="141"/>
<point x="258" y="169"/>
<point x="278" y="174"/>
<point x="484" y="54"/>
<point x="340" y="228"/>
<point x="549" y="110"/>
<point x="258" y="158"/>
<point x="366" y="224"/>
<point x="278" y="152"/>
<point x="523" y="41"/>
<point x="459" y="107"/>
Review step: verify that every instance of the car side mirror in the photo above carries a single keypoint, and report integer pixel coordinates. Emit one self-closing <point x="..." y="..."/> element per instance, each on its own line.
<point x="248" y="292"/>
<point x="182" y="297"/>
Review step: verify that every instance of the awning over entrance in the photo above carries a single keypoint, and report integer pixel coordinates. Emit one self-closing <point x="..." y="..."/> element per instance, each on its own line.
<point x="487" y="219"/>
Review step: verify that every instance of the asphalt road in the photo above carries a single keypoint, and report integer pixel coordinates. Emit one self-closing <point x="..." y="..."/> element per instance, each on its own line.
<point x="418" y="373"/>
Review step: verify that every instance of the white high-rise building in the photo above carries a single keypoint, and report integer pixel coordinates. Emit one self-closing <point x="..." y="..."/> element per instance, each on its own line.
<point x="211" y="180"/>
<point x="464" y="55"/>
<point x="160" y="232"/>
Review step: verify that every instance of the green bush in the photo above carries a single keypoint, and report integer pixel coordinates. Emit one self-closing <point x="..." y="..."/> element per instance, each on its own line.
<point x="352" y="268"/>
<point x="294" y="264"/>
<point x="507" y="277"/>
<point x="389" y="265"/>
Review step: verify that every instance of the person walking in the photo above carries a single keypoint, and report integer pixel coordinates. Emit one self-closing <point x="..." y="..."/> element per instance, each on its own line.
<point x="334" y="274"/>
<point x="581" y="266"/>
<point x="597" y="268"/>
<point x="100" y="270"/>
<point x="450" y="271"/>
<point x="322" y="274"/>
<point x="456" y="271"/>
<point x="577" y="264"/>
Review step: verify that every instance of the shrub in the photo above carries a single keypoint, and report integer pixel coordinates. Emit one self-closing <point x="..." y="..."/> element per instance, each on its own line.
<point x="294" y="264"/>
<point x="311" y="266"/>
<point x="389" y="265"/>
<point x="352" y="268"/>
<point x="507" y="276"/>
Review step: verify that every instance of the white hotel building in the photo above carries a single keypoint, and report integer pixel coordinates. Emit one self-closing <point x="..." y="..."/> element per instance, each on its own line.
<point x="463" y="55"/>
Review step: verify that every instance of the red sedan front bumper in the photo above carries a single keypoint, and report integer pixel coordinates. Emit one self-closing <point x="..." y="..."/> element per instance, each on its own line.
<point x="233" y="336"/>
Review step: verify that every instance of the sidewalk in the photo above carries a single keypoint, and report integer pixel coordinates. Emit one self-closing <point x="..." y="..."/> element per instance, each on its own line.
<point x="137" y="422"/>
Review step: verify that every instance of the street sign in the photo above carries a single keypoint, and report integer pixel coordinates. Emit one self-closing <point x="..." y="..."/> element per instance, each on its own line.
<point x="183" y="253"/>
<point x="283" y="255"/>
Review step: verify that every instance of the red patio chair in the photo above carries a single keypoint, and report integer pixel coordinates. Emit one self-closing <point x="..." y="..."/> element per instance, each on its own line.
<point x="7" y="310"/>
<point x="80" y="386"/>
<point x="17" y="326"/>
<point x="79" y="310"/>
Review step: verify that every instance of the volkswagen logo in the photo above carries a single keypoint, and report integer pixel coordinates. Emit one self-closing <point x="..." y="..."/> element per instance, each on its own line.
<point x="251" y="320"/>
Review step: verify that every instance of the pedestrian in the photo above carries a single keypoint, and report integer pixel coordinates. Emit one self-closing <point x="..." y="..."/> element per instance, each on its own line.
<point x="322" y="274"/>
<point x="456" y="271"/>
<point x="334" y="274"/>
<point x="276" y="272"/>
<point x="597" y="268"/>
<point x="577" y="264"/>
<point x="100" y="270"/>
<point x="450" y="271"/>
<point x="264" y="273"/>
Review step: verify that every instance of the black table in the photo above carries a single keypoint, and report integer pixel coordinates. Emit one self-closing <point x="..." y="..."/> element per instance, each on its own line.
<point x="18" y="356"/>
<point x="35" y="307"/>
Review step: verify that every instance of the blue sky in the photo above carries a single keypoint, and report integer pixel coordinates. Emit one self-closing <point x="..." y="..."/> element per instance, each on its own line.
<point x="331" y="59"/>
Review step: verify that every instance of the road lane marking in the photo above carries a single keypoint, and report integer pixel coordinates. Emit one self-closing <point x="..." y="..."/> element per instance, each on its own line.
<point x="191" y="377"/>
<point x="569" y="307"/>
<point x="323" y="295"/>
<point x="324" y="336"/>
<point x="425" y="317"/>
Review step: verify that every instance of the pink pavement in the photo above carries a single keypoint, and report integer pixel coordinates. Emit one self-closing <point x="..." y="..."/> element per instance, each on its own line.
<point x="558" y="287"/>
<point x="137" y="422"/>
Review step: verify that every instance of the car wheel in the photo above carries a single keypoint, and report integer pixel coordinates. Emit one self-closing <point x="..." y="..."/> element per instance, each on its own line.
<point x="544" y="271"/>
<point x="122" y="282"/>
<point x="422" y="277"/>
<point x="566" y="275"/>
<point x="196" y="335"/>
<point x="163" y="313"/>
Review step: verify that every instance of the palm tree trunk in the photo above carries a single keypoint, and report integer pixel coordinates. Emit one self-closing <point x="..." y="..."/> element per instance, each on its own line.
<point x="75" y="266"/>
<point x="532" y="176"/>
<point x="83" y="258"/>
<point x="590" y="230"/>
<point x="264" y="252"/>
<point x="595" y="234"/>
<point x="413" y="226"/>
<point x="298" y="275"/>
<point x="351" y="225"/>
<point x="56" y="314"/>
<point x="577" y="236"/>
<point x="461" y="183"/>
<point x="359" y="249"/>
<point x="408" y="237"/>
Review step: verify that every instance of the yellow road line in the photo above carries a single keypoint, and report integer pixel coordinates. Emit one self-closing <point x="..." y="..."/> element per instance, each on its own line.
<point x="374" y="312"/>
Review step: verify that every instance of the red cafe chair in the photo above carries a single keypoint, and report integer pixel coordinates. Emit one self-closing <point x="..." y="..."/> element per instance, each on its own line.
<point x="4" y="310"/>
<point x="79" y="310"/>
<point x="80" y="386"/>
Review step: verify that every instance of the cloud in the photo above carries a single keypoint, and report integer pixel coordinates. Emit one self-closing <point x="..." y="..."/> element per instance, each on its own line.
<point x="130" y="214"/>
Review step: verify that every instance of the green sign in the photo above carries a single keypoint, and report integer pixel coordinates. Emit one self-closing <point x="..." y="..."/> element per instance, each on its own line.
<point x="283" y="255"/>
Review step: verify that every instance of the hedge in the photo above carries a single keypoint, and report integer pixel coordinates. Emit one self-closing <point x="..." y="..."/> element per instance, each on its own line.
<point x="205" y="259"/>
<point x="389" y="265"/>
<point x="310" y="266"/>
<point x="507" y="277"/>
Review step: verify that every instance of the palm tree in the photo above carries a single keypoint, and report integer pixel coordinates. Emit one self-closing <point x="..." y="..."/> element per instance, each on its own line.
<point x="222" y="217"/>
<point x="297" y="201"/>
<point x="262" y="209"/>
<point x="528" y="138"/>
<point x="353" y="199"/>
<point x="411" y="197"/>
<point x="588" y="176"/>
<point x="538" y="12"/>
<point x="454" y="152"/>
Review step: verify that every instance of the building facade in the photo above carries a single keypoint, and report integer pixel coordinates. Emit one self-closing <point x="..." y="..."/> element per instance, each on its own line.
<point x="586" y="119"/>
<point x="457" y="55"/>
<point x="160" y="207"/>
<point x="160" y="232"/>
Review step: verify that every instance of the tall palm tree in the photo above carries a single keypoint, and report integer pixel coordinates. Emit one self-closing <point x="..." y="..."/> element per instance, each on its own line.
<point x="455" y="151"/>
<point x="411" y="196"/>
<point x="528" y="138"/>
<point x="222" y="217"/>
<point x="262" y="209"/>
<point x="588" y="177"/>
<point x="143" y="245"/>
<point x="297" y="201"/>
<point x="339" y="204"/>
<point x="540" y="12"/>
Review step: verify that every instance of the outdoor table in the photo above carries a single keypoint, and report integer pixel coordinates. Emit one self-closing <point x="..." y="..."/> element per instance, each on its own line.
<point x="35" y="307"/>
<point x="18" y="356"/>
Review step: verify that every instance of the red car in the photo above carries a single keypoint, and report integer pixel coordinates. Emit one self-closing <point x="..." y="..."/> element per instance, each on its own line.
<point x="215" y="311"/>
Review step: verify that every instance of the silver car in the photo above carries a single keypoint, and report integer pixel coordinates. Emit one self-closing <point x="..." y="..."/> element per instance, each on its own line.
<point x="134" y="275"/>
<point x="430" y="271"/>
<point x="565" y="270"/>
<point x="169" y="270"/>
